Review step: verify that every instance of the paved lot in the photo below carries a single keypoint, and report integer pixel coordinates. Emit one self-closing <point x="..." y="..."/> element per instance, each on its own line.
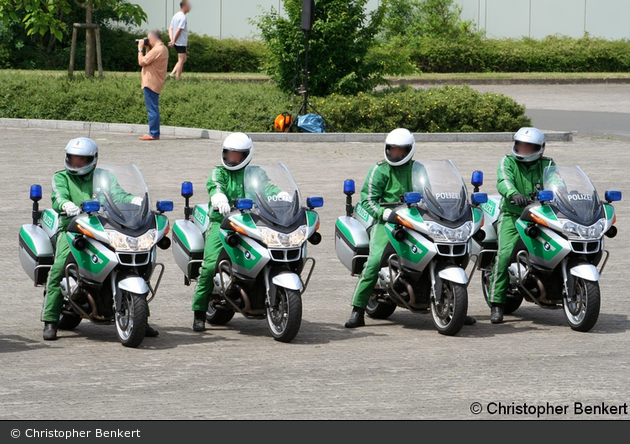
<point x="400" y="368"/>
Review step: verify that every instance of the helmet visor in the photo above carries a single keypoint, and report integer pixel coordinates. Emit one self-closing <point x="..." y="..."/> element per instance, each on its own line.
<point x="396" y="153"/>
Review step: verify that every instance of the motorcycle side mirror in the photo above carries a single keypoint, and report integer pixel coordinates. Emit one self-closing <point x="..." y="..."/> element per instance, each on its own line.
<point x="477" y="179"/>
<point x="315" y="202"/>
<point x="187" y="189"/>
<point x="612" y="195"/>
<point x="164" y="205"/>
<point x="479" y="198"/>
<point x="91" y="206"/>
<point x="348" y="187"/>
<point x="36" y="193"/>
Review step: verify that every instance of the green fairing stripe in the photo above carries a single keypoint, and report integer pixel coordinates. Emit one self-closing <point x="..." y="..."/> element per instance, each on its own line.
<point x="536" y="246"/>
<point x="92" y="222"/>
<point x="85" y="259"/>
<point x="413" y="214"/>
<point x="181" y="236"/>
<point x="344" y="230"/>
<point x="477" y="214"/>
<point x="27" y="238"/>
<point x="545" y="211"/>
<point x="610" y="211"/>
<point x="311" y="217"/>
<point x="405" y="248"/>
<point x="238" y="253"/>
<point x="246" y="220"/>
<point x="161" y="222"/>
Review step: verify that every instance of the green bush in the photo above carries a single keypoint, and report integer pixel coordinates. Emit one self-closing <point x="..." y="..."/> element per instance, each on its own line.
<point x="551" y="54"/>
<point x="251" y="107"/>
<point x="440" y="109"/>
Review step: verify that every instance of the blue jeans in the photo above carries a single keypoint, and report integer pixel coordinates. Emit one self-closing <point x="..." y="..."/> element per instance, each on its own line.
<point x="151" y="99"/>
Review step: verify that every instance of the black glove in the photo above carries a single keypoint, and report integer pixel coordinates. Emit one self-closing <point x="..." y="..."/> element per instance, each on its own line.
<point x="519" y="200"/>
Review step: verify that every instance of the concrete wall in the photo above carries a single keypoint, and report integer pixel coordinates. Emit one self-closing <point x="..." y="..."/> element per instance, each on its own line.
<point x="608" y="19"/>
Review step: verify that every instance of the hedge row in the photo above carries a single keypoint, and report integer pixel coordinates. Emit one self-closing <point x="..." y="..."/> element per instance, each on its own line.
<point x="252" y="107"/>
<point x="551" y="54"/>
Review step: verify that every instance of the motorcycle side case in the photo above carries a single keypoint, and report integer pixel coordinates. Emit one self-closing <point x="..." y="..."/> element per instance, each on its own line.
<point x="351" y="243"/>
<point x="36" y="253"/>
<point x="188" y="246"/>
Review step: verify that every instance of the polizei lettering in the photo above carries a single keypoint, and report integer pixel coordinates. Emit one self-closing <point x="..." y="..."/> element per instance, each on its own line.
<point x="442" y="196"/>
<point x="580" y="196"/>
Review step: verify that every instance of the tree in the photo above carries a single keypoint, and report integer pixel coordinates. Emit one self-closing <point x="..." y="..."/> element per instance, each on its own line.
<point x="341" y="36"/>
<point x="406" y="19"/>
<point x="51" y="17"/>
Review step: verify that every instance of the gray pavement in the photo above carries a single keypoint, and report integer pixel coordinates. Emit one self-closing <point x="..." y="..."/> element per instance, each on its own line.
<point x="399" y="368"/>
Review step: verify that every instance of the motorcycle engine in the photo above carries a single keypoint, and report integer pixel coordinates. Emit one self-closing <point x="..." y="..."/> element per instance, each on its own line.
<point x="515" y="270"/>
<point x="68" y="289"/>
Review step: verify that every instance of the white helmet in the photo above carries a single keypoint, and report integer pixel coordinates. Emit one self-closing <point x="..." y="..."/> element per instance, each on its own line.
<point x="533" y="136"/>
<point x="81" y="146"/>
<point x="403" y="138"/>
<point x="240" y="142"/>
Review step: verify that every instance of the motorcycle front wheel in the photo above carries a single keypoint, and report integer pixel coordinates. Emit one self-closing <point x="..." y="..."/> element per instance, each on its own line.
<point x="131" y="320"/>
<point x="449" y="309"/>
<point x="582" y="308"/>
<point x="285" y="317"/>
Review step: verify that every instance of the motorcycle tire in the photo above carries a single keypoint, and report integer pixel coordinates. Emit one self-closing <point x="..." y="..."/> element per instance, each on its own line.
<point x="285" y="318"/>
<point x="449" y="313"/>
<point x="219" y="316"/>
<point x="379" y="310"/>
<point x="581" y="310"/>
<point x="131" y="321"/>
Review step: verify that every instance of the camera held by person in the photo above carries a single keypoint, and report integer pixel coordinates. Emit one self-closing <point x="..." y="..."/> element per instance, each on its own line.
<point x="146" y="41"/>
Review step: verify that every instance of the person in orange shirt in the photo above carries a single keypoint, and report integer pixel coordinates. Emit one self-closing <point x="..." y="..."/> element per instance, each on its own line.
<point x="154" y="66"/>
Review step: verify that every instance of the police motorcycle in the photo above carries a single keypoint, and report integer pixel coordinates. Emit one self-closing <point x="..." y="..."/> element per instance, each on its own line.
<point x="113" y="257"/>
<point x="260" y="269"/>
<point x="554" y="264"/>
<point x="430" y="231"/>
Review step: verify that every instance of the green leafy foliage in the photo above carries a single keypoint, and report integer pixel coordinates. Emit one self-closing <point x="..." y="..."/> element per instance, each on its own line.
<point x="252" y="107"/>
<point x="338" y="44"/>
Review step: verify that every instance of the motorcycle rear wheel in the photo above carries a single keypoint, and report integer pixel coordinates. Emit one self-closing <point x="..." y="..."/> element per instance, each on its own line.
<point x="131" y="320"/>
<point x="285" y="318"/>
<point x="68" y="321"/>
<point x="219" y="316"/>
<point x="379" y="310"/>
<point x="512" y="301"/>
<point x="582" y="309"/>
<point x="449" y="312"/>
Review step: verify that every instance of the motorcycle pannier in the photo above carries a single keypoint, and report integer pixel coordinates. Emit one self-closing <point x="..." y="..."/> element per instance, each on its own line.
<point x="351" y="243"/>
<point x="36" y="253"/>
<point x="188" y="246"/>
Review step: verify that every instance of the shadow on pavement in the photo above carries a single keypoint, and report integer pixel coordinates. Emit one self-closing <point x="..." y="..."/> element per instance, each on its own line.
<point x="16" y="344"/>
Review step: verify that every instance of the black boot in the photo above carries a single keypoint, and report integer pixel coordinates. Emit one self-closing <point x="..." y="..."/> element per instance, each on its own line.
<point x="469" y="320"/>
<point x="357" y="318"/>
<point x="151" y="332"/>
<point x="199" y="322"/>
<point x="50" y="331"/>
<point x="496" y="313"/>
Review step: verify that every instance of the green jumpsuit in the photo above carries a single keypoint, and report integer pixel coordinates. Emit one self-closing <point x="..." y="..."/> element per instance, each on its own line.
<point x="513" y="177"/>
<point x="68" y="187"/>
<point x="384" y="183"/>
<point x="230" y="183"/>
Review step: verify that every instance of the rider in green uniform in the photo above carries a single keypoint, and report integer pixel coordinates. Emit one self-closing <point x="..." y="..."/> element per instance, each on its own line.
<point x="518" y="175"/>
<point x="224" y="185"/>
<point x="70" y="188"/>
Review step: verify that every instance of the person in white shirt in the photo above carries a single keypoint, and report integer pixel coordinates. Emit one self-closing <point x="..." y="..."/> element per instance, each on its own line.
<point x="178" y="33"/>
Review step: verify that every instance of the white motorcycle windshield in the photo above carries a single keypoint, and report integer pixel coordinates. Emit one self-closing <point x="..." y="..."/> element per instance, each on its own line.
<point x="443" y="189"/>
<point x="574" y="194"/>
<point x="123" y="194"/>
<point x="274" y="192"/>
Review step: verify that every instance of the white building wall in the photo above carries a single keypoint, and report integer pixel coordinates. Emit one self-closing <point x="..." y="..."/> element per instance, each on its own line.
<point x="608" y="19"/>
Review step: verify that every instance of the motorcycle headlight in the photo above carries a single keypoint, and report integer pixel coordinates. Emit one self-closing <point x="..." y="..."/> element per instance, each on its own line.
<point x="122" y="242"/>
<point x="272" y="238"/>
<point x="442" y="233"/>
<point x="595" y="231"/>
